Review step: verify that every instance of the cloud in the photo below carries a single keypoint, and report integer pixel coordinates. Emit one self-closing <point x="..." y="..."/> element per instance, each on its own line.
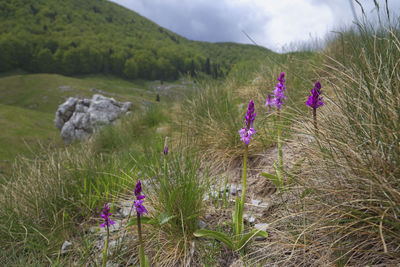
<point x="270" y="23"/>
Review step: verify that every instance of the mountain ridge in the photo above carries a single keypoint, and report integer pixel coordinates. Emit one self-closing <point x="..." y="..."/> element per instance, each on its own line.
<point x="98" y="36"/>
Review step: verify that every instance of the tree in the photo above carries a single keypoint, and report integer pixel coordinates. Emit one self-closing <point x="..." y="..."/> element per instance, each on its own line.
<point x="207" y="66"/>
<point x="44" y="61"/>
<point x="131" y="68"/>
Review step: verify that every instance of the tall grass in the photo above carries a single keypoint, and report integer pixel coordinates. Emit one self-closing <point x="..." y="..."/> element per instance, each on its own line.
<point x="176" y="195"/>
<point x="353" y="171"/>
<point x="212" y="115"/>
<point x="46" y="199"/>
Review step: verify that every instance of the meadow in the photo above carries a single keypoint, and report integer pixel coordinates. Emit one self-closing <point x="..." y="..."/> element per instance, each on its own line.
<point x="320" y="180"/>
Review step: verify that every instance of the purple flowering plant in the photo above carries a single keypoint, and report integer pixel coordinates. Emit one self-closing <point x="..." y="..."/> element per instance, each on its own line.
<point x="239" y="239"/>
<point x="140" y="209"/>
<point x="269" y="103"/>
<point x="247" y="132"/>
<point x="106" y="224"/>
<point x="278" y="100"/>
<point x="106" y="217"/>
<point x="278" y="94"/>
<point x="315" y="100"/>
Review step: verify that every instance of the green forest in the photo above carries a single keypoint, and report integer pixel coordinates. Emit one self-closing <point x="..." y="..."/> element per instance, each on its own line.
<point x="96" y="36"/>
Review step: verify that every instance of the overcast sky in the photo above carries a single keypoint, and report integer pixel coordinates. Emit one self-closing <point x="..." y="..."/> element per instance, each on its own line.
<point x="275" y="24"/>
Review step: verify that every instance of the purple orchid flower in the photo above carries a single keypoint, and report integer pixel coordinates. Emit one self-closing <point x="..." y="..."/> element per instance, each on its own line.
<point x="139" y="206"/>
<point x="246" y="133"/>
<point x="106" y="216"/>
<point x="315" y="100"/>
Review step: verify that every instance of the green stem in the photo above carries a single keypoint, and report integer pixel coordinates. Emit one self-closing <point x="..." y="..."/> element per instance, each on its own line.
<point x="165" y="168"/>
<point x="106" y="248"/>
<point x="280" y="154"/>
<point x="243" y="199"/>
<point x="315" y="121"/>
<point x="141" y="249"/>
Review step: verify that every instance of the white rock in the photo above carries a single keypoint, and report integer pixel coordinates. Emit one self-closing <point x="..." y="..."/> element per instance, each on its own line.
<point x="125" y="211"/>
<point x="233" y="190"/>
<point x="202" y="224"/>
<point x="248" y="218"/>
<point x="78" y="118"/>
<point x="255" y="202"/>
<point x="66" y="246"/>
<point x="261" y="226"/>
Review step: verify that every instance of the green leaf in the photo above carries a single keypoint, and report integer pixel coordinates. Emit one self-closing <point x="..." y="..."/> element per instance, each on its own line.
<point x="146" y="261"/>
<point x="143" y="220"/>
<point x="246" y="238"/>
<point x="224" y="238"/>
<point x="236" y="217"/>
<point x="163" y="218"/>
<point x="273" y="178"/>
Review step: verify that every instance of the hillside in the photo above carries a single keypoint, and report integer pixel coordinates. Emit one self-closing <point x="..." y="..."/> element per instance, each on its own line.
<point x="28" y="103"/>
<point x="96" y="36"/>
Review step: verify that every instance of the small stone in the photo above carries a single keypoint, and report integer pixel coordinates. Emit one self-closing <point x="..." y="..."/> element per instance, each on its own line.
<point x="206" y="197"/>
<point x="131" y="262"/>
<point x="66" y="246"/>
<point x="125" y="211"/>
<point x="112" y="244"/>
<point x="249" y="219"/>
<point x="208" y="217"/>
<point x="233" y="190"/>
<point x="201" y="224"/>
<point x="255" y="202"/>
<point x="240" y="188"/>
<point x="264" y="205"/>
<point x="214" y="194"/>
<point x="261" y="226"/>
<point x="115" y="227"/>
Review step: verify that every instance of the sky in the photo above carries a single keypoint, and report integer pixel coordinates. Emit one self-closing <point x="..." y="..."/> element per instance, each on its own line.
<point x="280" y="25"/>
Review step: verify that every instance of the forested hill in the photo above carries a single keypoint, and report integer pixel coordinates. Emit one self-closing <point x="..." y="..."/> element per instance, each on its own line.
<point x="96" y="36"/>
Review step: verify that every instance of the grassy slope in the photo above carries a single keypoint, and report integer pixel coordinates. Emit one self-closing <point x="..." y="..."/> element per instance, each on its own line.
<point x="28" y="103"/>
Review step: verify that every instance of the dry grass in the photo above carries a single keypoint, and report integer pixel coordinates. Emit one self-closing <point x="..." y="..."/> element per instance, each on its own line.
<point x="349" y="213"/>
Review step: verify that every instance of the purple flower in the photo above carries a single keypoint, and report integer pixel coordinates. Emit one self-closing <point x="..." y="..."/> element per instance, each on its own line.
<point x="138" y="189"/>
<point x="139" y="206"/>
<point x="106" y="216"/>
<point x="246" y="133"/>
<point x="279" y="92"/>
<point x="315" y="100"/>
<point x="250" y="115"/>
<point x="166" y="146"/>
<point x="139" y="199"/>
<point x="269" y="102"/>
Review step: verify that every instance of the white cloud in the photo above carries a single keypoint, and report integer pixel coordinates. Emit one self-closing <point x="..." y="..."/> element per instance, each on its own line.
<point x="271" y="23"/>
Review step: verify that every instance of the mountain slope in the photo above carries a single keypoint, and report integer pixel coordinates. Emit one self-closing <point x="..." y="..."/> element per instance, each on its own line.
<point x="97" y="36"/>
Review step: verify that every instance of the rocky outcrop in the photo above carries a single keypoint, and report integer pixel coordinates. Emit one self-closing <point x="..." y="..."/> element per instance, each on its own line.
<point x="78" y="118"/>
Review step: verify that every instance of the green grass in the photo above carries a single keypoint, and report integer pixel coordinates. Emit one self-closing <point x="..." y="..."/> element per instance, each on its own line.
<point x="23" y="128"/>
<point x="28" y="103"/>
<point x="45" y="198"/>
